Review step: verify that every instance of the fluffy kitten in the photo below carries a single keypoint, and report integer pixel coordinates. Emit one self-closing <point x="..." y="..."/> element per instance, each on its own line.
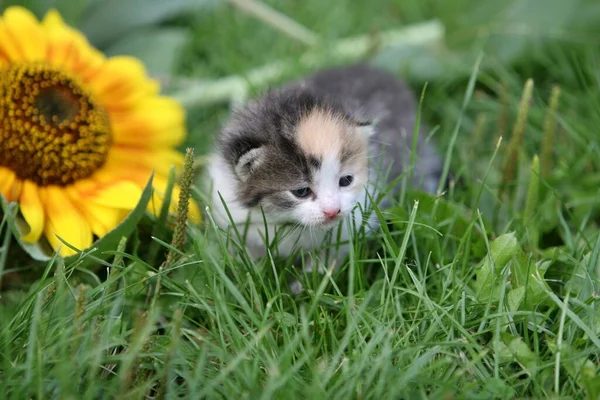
<point x="307" y="153"/>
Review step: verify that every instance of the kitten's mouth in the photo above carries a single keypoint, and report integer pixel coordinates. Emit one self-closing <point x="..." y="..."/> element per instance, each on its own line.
<point x="329" y="223"/>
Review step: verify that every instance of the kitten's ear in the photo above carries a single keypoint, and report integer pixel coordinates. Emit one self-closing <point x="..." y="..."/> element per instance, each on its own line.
<point x="365" y="128"/>
<point x="248" y="162"/>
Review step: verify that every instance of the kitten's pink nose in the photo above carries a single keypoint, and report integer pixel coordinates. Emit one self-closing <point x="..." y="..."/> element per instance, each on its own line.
<point x="331" y="214"/>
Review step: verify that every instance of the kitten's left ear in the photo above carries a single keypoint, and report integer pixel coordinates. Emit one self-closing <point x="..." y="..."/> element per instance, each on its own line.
<point x="248" y="162"/>
<point x="365" y="127"/>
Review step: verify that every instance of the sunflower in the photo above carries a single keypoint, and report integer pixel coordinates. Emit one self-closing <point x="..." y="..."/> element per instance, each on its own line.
<point x="80" y="133"/>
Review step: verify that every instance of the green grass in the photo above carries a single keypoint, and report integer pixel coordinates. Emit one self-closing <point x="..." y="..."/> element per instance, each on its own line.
<point x="477" y="293"/>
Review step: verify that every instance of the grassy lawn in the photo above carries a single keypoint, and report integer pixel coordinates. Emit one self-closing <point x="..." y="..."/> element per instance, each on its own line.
<point x="488" y="290"/>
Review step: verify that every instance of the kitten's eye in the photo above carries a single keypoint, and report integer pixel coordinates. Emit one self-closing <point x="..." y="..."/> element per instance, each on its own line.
<point x="301" y="193"/>
<point x="346" y="180"/>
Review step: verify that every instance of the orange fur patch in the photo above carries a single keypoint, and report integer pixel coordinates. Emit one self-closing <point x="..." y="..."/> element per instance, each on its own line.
<point x="321" y="133"/>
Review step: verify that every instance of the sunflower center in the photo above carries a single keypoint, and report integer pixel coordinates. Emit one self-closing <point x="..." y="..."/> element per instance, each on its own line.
<point x="51" y="130"/>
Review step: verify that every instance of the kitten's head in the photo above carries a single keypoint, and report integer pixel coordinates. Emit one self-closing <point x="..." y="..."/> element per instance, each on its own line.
<point x="299" y="156"/>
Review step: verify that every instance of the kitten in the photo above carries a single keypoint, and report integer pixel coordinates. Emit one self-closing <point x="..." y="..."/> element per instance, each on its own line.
<point x="307" y="153"/>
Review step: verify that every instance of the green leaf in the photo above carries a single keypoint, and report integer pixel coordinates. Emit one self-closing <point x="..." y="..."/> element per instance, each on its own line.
<point x="585" y="280"/>
<point x="535" y="292"/>
<point x="488" y="276"/>
<point x="496" y="388"/>
<point x="592" y="386"/>
<point x="578" y="366"/>
<point x="515" y="297"/>
<point x="158" y="49"/>
<point x="513" y="348"/>
<point x="40" y="251"/>
<point x="503" y="249"/>
<point x="525" y="293"/>
<point x="523" y="276"/>
<point x="110" y="20"/>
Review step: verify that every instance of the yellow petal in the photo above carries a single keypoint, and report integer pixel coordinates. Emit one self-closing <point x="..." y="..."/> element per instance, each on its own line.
<point x="32" y="209"/>
<point x="69" y="48"/>
<point x="53" y="21"/>
<point x="157" y="160"/>
<point x="20" y="27"/>
<point x="13" y="192"/>
<point x="64" y="219"/>
<point x="7" y="179"/>
<point x="153" y="122"/>
<point x="101" y="219"/>
<point x="101" y="193"/>
<point x="117" y="170"/>
<point x="121" y="82"/>
<point x="119" y="195"/>
<point x="8" y="47"/>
